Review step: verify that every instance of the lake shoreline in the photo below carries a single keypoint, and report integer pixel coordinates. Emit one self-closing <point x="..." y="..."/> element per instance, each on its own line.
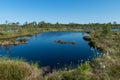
<point x="107" y="64"/>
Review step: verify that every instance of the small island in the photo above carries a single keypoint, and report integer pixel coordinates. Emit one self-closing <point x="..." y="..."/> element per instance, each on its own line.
<point x="64" y="42"/>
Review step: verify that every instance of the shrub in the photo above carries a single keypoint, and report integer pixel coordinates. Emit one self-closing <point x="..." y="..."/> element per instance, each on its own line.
<point x="92" y="43"/>
<point x="17" y="70"/>
<point x="106" y="28"/>
<point x="87" y="38"/>
<point x="23" y="39"/>
<point x="84" y="67"/>
<point x="84" y="70"/>
<point x="1" y="33"/>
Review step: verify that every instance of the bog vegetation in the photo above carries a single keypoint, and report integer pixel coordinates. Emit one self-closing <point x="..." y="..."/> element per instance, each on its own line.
<point x="105" y="67"/>
<point x="16" y="29"/>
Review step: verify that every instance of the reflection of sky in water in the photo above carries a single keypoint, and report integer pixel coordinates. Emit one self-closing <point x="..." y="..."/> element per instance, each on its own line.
<point x="116" y="29"/>
<point x="43" y="49"/>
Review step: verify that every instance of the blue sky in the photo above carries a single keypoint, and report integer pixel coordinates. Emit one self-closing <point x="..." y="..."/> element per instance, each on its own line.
<point x="63" y="11"/>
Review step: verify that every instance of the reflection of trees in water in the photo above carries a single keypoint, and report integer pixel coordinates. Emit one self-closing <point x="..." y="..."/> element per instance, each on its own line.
<point x="0" y="48"/>
<point x="48" y="35"/>
<point x="36" y="35"/>
<point x="6" y="48"/>
<point x="96" y="52"/>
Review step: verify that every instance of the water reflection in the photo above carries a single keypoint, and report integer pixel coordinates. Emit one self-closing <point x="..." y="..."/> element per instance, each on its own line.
<point x="116" y="29"/>
<point x="43" y="49"/>
<point x="6" y="49"/>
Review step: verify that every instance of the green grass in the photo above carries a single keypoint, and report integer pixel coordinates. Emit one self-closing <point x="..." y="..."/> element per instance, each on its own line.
<point x="31" y="31"/>
<point x="81" y="73"/>
<point x="18" y="69"/>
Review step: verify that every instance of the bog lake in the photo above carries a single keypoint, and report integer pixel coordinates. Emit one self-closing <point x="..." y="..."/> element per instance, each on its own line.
<point x="43" y="49"/>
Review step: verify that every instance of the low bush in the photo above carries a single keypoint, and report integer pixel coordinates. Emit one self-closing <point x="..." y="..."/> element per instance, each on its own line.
<point x="17" y="70"/>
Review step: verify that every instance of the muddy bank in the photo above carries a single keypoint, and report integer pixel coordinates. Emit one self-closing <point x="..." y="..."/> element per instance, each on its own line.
<point x="11" y="42"/>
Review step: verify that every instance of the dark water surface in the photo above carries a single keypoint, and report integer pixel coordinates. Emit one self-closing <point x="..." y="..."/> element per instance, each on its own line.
<point x="45" y="51"/>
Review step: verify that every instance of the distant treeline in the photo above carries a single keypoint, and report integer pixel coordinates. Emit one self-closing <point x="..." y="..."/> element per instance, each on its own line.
<point x="43" y="24"/>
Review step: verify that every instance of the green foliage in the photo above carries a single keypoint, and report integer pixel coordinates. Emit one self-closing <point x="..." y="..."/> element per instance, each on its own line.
<point x="1" y="33"/>
<point x="23" y="39"/>
<point x="84" y="67"/>
<point x="92" y="43"/>
<point x="81" y="73"/>
<point x="84" y="70"/>
<point x="70" y="75"/>
<point x="106" y="28"/>
<point x="87" y="38"/>
<point x="34" y="64"/>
